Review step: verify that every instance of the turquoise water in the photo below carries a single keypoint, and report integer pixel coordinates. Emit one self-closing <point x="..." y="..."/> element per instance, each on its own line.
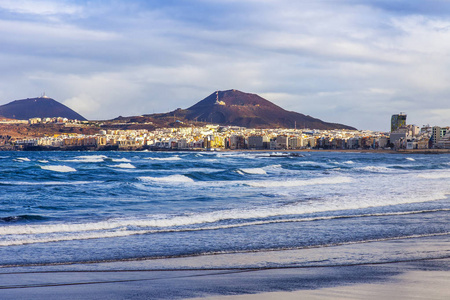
<point x="65" y="207"/>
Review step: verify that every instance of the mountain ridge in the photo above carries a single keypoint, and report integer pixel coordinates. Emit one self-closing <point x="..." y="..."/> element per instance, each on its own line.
<point x="236" y="108"/>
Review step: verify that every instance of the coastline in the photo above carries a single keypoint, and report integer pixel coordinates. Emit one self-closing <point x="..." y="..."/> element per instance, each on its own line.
<point x="107" y="149"/>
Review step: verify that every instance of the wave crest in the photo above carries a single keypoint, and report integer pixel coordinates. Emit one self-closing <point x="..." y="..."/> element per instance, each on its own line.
<point x="297" y="183"/>
<point x="167" y="179"/>
<point x="63" y="169"/>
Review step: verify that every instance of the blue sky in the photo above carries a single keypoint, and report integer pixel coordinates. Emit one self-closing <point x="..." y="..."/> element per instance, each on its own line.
<point x="352" y="61"/>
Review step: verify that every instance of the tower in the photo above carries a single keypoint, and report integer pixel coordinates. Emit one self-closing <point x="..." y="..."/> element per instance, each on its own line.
<point x="398" y="121"/>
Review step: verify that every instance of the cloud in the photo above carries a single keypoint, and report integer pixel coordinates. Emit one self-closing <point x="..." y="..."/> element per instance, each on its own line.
<point x="40" y="7"/>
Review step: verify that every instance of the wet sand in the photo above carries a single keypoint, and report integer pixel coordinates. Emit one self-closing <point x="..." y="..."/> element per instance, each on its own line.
<point x="425" y="279"/>
<point x="409" y="285"/>
<point x="411" y="268"/>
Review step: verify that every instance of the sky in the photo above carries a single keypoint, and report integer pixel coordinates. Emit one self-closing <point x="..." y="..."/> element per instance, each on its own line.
<point x="353" y="62"/>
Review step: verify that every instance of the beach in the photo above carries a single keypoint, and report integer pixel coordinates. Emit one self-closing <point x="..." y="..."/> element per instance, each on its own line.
<point x="417" y="280"/>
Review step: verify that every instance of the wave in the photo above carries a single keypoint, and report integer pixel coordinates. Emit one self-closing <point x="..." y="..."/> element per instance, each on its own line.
<point x="22" y="159"/>
<point x="165" y="158"/>
<point x="123" y="166"/>
<point x="121" y="160"/>
<point x="20" y="218"/>
<point x="240" y="155"/>
<point x="312" y="163"/>
<point x="188" y="220"/>
<point x="167" y="179"/>
<point x="88" y="159"/>
<point x="48" y="182"/>
<point x="44" y="161"/>
<point x="252" y="171"/>
<point x="410" y="159"/>
<point x="203" y="170"/>
<point x="376" y="169"/>
<point x="30" y="234"/>
<point x="58" y="168"/>
<point x="297" y="183"/>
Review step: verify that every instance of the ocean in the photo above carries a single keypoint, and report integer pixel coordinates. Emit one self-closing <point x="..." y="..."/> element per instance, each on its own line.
<point x="222" y="209"/>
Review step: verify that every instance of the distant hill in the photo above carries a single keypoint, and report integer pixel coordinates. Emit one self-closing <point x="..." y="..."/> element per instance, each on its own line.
<point x="237" y="108"/>
<point x="41" y="107"/>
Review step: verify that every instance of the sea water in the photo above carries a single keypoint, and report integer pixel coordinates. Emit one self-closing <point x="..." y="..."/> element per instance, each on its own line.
<point x="261" y="207"/>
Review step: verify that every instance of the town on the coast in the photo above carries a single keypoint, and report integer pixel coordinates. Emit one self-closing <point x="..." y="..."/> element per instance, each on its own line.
<point x="213" y="137"/>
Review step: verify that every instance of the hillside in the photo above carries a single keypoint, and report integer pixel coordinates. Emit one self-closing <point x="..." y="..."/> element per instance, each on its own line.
<point x="237" y="108"/>
<point x="41" y="107"/>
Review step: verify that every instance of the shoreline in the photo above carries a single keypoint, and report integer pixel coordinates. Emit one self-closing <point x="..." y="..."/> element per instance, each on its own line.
<point x="219" y="150"/>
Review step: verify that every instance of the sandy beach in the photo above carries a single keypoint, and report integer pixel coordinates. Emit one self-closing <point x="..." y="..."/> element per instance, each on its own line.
<point x="340" y="272"/>
<point x="413" y="280"/>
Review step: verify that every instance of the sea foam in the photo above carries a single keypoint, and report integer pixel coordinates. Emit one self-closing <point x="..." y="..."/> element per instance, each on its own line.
<point x="298" y="183"/>
<point x="165" y="158"/>
<point x="63" y="169"/>
<point x="124" y="166"/>
<point x="168" y="179"/>
<point x="88" y="159"/>
<point x="22" y="159"/>
<point x="121" y="160"/>
<point x="253" y="171"/>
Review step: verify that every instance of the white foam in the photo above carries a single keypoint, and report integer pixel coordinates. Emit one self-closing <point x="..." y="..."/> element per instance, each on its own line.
<point x="253" y="171"/>
<point x="63" y="169"/>
<point x="121" y="160"/>
<point x="376" y="169"/>
<point x="410" y="159"/>
<point x="43" y="161"/>
<point x="48" y="182"/>
<point x="202" y="170"/>
<point x="312" y="163"/>
<point x="238" y="155"/>
<point x="298" y="183"/>
<point x="88" y="159"/>
<point x="21" y="159"/>
<point x="165" y="158"/>
<point x="124" y="166"/>
<point x="122" y="233"/>
<point x="167" y="179"/>
<point x="435" y="175"/>
<point x="273" y="167"/>
<point x="26" y="234"/>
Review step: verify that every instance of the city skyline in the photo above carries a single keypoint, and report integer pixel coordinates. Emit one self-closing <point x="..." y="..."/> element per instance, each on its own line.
<point x="352" y="62"/>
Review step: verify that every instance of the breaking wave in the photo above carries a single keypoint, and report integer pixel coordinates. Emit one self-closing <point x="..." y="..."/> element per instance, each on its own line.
<point x="165" y="158"/>
<point x="30" y="234"/>
<point x="124" y="166"/>
<point x="63" y="169"/>
<point x="252" y="171"/>
<point x="167" y="179"/>
<point x="297" y="183"/>
<point x="88" y="159"/>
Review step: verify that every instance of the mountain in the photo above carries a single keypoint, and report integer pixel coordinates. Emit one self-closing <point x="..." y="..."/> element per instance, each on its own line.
<point x="237" y="108"/>
<point x="41" y="107"/>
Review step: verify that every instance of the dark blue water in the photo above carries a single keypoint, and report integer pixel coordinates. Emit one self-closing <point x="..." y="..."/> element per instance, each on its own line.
<point x="63" y="207"/>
